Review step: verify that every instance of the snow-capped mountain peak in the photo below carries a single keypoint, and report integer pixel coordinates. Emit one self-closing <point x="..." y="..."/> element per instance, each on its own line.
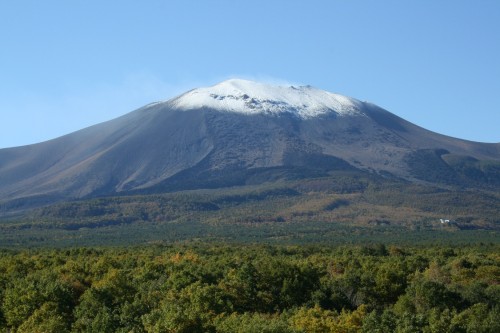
<point x="251" y="97"/>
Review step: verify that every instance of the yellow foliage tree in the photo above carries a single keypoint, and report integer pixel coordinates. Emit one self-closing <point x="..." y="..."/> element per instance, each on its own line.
<point x="318" y="320"/>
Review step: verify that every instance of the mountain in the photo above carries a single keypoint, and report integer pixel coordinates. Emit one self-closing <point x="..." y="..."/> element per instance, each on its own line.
<point x="234" y="133"/>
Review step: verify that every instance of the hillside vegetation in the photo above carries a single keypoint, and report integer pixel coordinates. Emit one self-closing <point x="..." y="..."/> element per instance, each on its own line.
<point x="344" y="207"/>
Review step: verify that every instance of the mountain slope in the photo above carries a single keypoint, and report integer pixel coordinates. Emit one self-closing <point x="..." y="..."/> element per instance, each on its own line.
<point x="235" y="133"/>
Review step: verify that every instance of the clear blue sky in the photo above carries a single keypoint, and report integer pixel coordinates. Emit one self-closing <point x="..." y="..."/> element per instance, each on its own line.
<point x="65" y="65"/>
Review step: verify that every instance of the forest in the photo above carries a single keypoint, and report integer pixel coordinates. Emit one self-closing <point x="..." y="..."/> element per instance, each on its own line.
<point x="221" y="287"/>
<point x="343" y="208"/>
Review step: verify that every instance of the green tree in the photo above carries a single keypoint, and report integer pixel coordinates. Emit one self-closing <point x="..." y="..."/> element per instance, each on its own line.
<point x="423" y="295"/>
<point x="46" y="319"/>
<point x="96" y="313"/>
<point x="376" y="322"/>
<point x="478" y="319"/>
<point x="28" y="294"/>
<point x="101" y="306"/>
<point x="253" y="323"/>
<point x="440" y="321"/>
<point x="193" y="309"/>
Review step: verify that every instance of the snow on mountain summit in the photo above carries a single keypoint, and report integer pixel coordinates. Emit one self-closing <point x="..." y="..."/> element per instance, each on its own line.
<point x="251" y="97"/>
